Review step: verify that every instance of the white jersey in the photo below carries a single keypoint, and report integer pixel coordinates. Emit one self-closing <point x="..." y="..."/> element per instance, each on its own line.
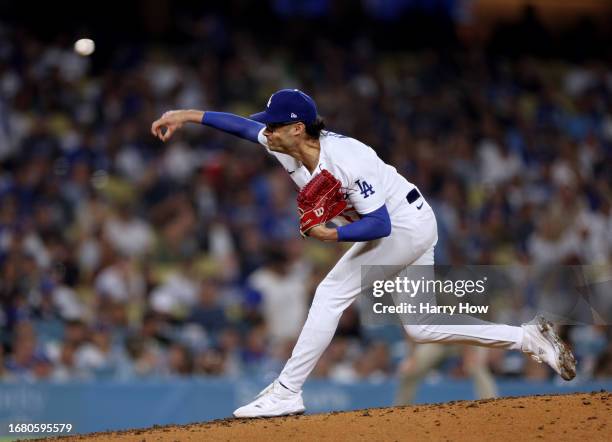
<point x="367" y="181"/>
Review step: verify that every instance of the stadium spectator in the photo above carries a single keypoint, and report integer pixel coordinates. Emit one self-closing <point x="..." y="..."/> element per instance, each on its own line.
<point x="282" y="286"/>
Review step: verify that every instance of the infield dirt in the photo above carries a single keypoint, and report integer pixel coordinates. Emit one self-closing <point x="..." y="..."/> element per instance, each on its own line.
<point x="576" y="417"/>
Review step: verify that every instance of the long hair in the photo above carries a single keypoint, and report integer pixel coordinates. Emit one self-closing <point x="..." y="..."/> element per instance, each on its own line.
<point x="314" y="129"/>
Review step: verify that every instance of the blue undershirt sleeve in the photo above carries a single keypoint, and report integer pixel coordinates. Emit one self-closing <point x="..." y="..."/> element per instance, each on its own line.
<point x="374" y="225"/>
<point x="233" y="124"/>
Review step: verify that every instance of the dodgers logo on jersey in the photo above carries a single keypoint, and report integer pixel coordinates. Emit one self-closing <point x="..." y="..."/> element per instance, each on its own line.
<point x="364" y="188"/>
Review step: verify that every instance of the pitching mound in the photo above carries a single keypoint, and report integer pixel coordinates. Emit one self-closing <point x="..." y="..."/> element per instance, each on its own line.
<point x="584" y="416"/>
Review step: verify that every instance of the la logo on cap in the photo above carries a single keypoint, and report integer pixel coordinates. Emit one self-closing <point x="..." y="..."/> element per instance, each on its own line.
<point x="293" y="115"/>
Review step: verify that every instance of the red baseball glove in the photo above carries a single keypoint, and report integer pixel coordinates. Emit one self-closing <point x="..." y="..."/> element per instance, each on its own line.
<point x="319" y="201"/>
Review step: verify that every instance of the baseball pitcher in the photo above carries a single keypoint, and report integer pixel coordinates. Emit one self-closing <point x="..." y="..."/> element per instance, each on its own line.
<point x="344" y="181"/>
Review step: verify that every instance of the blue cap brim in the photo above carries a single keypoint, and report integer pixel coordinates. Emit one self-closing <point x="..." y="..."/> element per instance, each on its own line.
<point x="262" y="117"/>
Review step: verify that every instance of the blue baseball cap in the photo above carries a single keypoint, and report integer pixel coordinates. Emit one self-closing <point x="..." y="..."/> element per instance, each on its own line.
<point x="286" y="106"/>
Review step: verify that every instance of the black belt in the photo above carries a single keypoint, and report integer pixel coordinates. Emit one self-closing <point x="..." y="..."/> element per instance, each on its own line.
<point x="413" y="195"/>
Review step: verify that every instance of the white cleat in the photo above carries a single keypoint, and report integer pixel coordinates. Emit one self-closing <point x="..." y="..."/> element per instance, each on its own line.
<point x="274" y="400"/>
<point x="543" y="344"/>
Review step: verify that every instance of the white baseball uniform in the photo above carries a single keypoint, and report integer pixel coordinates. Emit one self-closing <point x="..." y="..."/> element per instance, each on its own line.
<point x="369" y="183"/>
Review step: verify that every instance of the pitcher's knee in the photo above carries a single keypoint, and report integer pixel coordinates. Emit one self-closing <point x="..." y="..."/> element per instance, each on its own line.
<point x="324" y="312"/>
<point x="421" y="334"/>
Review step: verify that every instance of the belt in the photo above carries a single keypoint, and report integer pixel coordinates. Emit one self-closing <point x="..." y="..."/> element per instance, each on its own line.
<point x="413" y="195"/>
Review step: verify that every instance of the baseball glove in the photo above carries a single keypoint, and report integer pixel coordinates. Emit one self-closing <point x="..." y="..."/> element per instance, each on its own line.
<point x="319" y="201"/>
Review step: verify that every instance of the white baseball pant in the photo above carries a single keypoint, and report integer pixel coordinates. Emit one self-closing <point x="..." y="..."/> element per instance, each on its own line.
<point x="412" y="240"/>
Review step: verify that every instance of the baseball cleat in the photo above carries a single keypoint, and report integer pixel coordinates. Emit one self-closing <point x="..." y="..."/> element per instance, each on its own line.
<point x="274" y="400"/>
<point x="543" y="344"/>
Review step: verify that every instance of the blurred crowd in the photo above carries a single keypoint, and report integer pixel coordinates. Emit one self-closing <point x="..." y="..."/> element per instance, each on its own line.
<point x="124" y="258"/>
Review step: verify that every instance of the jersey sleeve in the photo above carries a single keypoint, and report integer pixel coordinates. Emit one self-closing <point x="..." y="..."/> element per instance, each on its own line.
<point x="233" y="124"/>
<point x="262" y="139"/>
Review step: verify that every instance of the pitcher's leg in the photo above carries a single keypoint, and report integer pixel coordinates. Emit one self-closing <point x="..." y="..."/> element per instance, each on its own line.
<point x="333" y="295"/>
<point x="316" y="335"/>
<point x="478" y="332"/>
<point x="537" y="339"/>
<point x="486" y="335"/>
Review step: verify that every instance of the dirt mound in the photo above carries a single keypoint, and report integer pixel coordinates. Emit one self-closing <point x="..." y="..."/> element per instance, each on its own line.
<point x="583" y="416"/>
